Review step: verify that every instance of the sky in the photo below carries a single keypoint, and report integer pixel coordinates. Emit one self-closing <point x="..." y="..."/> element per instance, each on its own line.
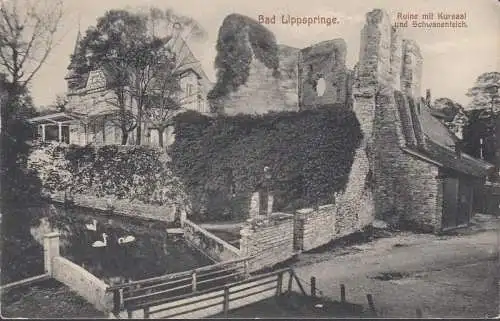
<point x="453" y="57"/>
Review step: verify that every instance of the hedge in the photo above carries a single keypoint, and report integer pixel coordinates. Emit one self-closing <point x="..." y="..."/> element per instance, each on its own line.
<point x="221" y="160"/>
<point x="123" y="172"/>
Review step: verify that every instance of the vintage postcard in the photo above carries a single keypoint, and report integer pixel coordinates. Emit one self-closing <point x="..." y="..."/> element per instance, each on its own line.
<point x="249" y="159"/>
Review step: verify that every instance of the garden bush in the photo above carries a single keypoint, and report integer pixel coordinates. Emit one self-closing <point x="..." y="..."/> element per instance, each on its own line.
<point x="122" y="172"/>
<point x="221" y="160"/>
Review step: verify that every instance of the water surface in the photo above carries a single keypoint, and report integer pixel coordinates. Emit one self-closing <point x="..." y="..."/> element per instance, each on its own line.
<point x="151" y="254"/>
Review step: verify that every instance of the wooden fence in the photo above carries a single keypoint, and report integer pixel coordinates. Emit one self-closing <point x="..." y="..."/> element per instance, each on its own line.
<point x="130" y="295"/>
<point x="214" y="300"/>
<point x="25" y="282"/>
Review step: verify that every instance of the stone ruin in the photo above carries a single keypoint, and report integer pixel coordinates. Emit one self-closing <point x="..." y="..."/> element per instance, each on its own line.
<point x="387" y="63"/>
<point x="385" y="59"/>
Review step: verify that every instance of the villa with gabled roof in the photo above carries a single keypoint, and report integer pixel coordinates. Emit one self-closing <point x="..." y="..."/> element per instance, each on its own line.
<point x="88" y="116"/>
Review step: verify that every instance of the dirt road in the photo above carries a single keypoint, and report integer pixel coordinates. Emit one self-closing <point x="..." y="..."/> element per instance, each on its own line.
<point x="447" y="276"/>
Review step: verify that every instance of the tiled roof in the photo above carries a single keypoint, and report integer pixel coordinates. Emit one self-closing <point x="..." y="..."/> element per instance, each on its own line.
<point x="430" y="140"/>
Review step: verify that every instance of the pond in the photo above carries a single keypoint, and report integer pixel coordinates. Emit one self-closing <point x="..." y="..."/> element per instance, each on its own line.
<point x="150" y="253"/>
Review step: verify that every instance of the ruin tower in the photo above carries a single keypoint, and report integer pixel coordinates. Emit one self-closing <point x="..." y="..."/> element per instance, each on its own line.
<point x="387" y="63"/>
<point x="373" y="74"/>
<point x="411" y="73"/>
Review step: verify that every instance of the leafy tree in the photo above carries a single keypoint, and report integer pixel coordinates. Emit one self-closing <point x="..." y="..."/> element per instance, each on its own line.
<point x="485" y="92"/>
<point x="27" y="30"/>
<point x="60" y="103"/>
<point x="482" y="129"/>
<point x="128" y="46"/>
<point x="451" y="114"/>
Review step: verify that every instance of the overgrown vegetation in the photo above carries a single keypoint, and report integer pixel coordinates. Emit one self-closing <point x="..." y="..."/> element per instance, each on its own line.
<point x="234" y="54"/>
<point x="221" y="160"/>
<point x="133" y="172"/>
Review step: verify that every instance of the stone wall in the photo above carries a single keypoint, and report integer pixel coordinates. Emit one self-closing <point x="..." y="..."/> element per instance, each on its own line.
<point x="262" y="93"/>
<point x="75" y="277"/>
<point x="387" y="141"/>
<point x="269" y="239"/>
<point x="212" y="246"/>
<point x="405" y="187"/>
<point x="411" y="73"/>
<point x="323" y="60"/>
<point x="288" y="70"/>
<point x="82" y="282"/>
<point x="123" y="207"/>
<point x="420" y="194"/>
<point x="317" y="227"/>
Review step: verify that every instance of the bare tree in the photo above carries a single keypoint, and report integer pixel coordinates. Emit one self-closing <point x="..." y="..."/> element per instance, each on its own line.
<point x="27" y="29"/>
<point x="165" y="97"/>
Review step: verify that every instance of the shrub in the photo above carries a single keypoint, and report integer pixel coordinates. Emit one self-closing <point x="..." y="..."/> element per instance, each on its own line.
<point x="51" y="167"/>
<point x="122" y="172"/>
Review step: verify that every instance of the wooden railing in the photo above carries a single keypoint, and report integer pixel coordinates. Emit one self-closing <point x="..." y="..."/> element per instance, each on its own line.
<point x="215" y="300"/>
<point x="25" y="282"/>
<point x="211" y="245"/>
<point x="129" y="295"/>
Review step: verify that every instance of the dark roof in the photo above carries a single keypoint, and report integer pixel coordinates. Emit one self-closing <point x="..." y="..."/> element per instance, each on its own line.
<point x="430" y="140"/>
<point x="435" y="129"/>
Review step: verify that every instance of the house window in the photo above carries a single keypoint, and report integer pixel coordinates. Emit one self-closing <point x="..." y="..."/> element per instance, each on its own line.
<point x="189" y="90"/>
<point x="201" y="105"/>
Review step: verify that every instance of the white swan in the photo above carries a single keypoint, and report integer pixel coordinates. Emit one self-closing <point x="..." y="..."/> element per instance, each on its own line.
<point x="102" y="243"/>
<point x="126" y="239"/>
<point x="92" y="226"/>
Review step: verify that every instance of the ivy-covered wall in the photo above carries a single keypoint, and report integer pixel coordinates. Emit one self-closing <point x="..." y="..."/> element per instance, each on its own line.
<point x="221" y="160"/>
<point x="239" y="37"/>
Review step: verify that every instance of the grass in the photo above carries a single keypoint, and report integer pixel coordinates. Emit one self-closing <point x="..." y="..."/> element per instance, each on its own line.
<point x="47" y="299"/>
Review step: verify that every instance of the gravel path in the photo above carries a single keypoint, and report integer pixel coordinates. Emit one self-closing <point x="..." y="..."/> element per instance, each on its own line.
<point x="443" y="276"/>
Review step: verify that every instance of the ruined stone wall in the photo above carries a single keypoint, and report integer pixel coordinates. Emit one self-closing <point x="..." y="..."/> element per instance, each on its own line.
<point x="411" y="73"/>
<point x="294" y="86"/>
<point x="269" y="239"/>
<point x="421" y="195"/>
<point x="396" y="57"/>
<point x="317" y="226"/>
<point x="288" y="69"/>
<point x="372" y="73"/>
<point x="405" y="188"/>
<point x="323" y="60"/>
<point x="261" y="94"/>
<point x="387" y="141"/>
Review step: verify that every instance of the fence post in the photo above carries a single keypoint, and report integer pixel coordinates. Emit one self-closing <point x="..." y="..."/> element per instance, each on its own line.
<point x="342" y="293"/>
<point x="50" y="250"/>
<point x="279" y="285"/>
<point x="313" y="286"/>
<point x="419" y="313"/>
<point x="290" y="280"/>
<point x="193" y="276"/>
<point x="226" y="300"/>
<point x="370" y="303"/>
<point x="146" y="313"/>
<point x="117" y="300"/>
